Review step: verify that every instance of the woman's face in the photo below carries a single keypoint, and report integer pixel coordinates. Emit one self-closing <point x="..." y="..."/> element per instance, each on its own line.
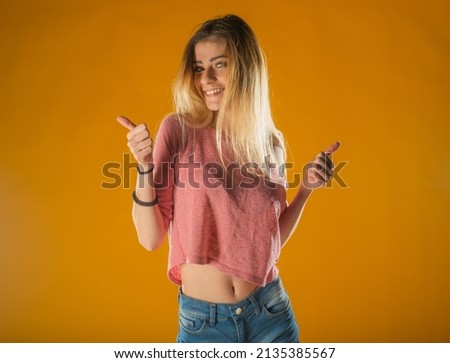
<point x="211" y="71"/>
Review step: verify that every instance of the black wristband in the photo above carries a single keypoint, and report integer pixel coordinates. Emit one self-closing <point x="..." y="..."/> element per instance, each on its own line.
<point x="142" y="203"/>
<point x="144" y="172"/>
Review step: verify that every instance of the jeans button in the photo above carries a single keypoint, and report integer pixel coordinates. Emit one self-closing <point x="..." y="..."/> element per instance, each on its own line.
<point x="238" y="311"/>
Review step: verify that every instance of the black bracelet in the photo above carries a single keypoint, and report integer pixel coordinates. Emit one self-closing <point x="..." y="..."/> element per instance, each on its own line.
<point x="142" y="203"/>
<point x="145" y="172"/>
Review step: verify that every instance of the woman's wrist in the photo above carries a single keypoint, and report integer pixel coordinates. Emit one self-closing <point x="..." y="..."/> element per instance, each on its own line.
<point x="143" y="169"/>
<point x="144" y="203"/>
<point x="305" y="192"/>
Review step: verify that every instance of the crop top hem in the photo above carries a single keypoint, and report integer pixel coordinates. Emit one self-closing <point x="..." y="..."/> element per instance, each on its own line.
<point x="271" y="275"/>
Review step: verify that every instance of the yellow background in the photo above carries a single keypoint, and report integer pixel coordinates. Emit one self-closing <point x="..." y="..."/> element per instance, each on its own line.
<point x="368" y="263"/>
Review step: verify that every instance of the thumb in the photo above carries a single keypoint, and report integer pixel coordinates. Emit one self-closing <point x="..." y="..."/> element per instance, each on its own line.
<point x="125" y="122"/>
<point x="332" y="148"/>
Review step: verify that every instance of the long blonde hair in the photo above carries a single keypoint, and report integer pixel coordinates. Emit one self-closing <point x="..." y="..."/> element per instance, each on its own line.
<point x="245" y="116"/>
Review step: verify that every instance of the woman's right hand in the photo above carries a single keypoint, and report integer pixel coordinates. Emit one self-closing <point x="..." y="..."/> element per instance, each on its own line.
<point x="139" y="142"/>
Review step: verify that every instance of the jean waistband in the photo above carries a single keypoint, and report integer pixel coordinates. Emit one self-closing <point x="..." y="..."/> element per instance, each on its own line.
<point x="254" y="302"/>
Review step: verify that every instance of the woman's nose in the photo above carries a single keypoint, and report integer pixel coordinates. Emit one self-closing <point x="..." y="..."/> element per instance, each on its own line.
<point x="208" y="76"/>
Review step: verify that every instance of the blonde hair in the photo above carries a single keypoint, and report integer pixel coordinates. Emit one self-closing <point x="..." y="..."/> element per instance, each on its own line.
<point x="245" y="116"/>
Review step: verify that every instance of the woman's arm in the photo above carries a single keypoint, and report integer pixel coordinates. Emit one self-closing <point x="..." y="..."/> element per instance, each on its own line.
<point x="291" y="216"/>
<point x="148" y="220"/>
<point x="315" y="175"/>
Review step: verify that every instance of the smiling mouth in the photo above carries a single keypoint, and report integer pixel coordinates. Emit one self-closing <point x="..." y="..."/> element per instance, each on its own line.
<point x="214" y="91"/>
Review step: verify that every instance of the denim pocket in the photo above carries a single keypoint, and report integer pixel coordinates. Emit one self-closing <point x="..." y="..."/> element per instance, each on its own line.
<point x="192" y="324"/>
<point x="277" y="306"/>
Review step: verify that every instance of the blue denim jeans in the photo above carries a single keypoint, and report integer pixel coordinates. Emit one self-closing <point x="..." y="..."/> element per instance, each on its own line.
<point x="265" y="316"/>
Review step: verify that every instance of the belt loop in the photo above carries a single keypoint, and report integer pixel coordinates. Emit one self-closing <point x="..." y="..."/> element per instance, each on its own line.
<point x="212" y="314"/>
<point x="255" y="304"/>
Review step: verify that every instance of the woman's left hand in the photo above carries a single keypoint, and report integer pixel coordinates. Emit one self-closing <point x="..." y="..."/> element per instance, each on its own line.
<point x="319" y="171"/>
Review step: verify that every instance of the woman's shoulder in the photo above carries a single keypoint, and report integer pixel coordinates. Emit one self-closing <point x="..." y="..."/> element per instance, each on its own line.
<point x="169" y="134"/>
<point x="279" y="150"/>
<point x="182" y="127"/>
<point x="278" y="140"/>
<point x="171" y="122"/>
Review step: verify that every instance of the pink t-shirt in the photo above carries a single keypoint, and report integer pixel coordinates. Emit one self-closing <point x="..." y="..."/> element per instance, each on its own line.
<point x="227" y="220"/>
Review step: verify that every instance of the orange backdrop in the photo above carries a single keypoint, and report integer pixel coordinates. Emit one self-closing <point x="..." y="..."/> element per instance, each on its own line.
<point x="368" y="263"/>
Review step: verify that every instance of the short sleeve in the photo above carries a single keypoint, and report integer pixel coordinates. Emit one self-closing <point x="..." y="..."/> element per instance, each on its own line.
<point x="165" y="150"/>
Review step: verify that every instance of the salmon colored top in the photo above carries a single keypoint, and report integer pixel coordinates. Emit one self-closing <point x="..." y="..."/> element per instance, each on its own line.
<point x="227" y="220"/>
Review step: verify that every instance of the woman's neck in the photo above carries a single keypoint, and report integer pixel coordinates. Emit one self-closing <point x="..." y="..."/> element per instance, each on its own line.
<point x="212" y="123"/>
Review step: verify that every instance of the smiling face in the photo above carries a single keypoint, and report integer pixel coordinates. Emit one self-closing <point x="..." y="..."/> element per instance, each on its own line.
<point x="211" y="71"/>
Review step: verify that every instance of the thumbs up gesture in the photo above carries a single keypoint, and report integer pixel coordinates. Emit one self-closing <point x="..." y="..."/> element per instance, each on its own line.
<point x="319" y="171"/>
<point x="139" y="142"/>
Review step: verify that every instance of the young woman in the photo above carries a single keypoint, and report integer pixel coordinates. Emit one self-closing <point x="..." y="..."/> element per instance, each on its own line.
<point x="214" y="182"/>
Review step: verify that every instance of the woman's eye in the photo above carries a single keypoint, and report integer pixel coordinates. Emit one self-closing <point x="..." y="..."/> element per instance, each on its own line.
<point x="198" y="69"/>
